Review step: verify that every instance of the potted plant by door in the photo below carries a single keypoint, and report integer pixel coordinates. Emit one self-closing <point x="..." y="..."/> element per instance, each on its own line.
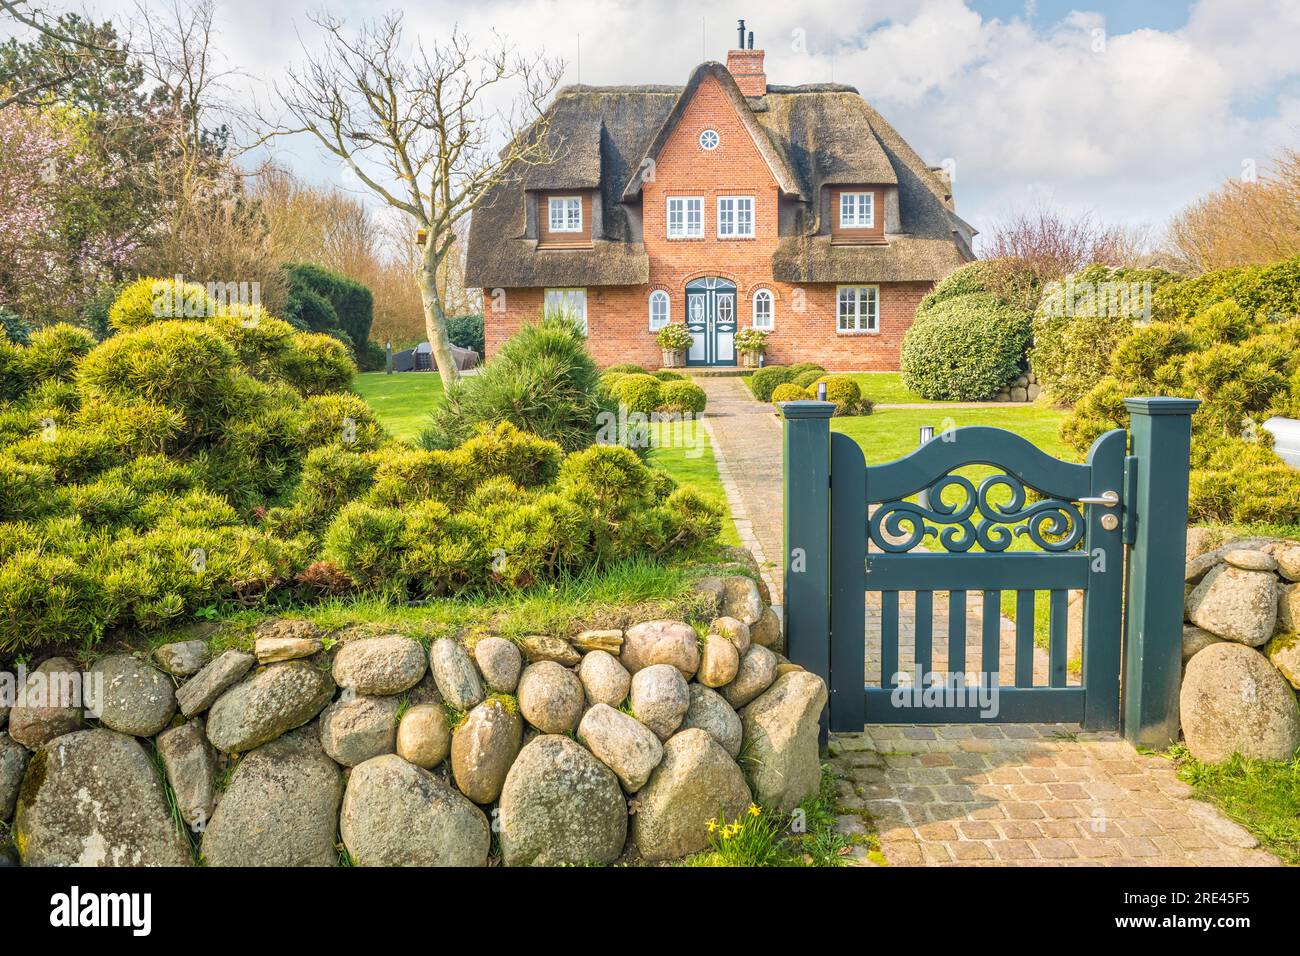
<point x="751" y="343"/>
<point x="674" y="340"/>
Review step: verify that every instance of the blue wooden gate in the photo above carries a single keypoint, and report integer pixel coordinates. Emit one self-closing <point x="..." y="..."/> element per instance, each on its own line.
<point x="972" y="515"/>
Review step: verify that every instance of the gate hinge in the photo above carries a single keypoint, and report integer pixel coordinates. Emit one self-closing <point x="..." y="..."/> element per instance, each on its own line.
<point x="1130" y="498"/>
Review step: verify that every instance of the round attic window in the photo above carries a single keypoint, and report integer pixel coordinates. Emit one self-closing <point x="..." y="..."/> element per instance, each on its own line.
<point x="709" y="139"/>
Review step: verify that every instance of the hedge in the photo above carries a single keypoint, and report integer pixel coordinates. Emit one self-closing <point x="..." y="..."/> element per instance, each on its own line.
<point x="352" y="303"/>
<point x="964" y="348"/>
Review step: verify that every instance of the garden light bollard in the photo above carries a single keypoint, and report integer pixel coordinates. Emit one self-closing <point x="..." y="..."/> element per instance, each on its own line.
<point x="388" y="356"/>
<point x="926" y="433"/>
<point x="806" y="574"/>
<point x="1161" y="435"/>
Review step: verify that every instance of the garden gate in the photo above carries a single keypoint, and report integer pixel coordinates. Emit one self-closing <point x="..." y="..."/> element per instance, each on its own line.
<point x="957" y="517"/>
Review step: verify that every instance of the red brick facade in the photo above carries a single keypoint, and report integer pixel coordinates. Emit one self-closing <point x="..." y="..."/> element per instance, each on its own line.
<point x="804" y="318"/>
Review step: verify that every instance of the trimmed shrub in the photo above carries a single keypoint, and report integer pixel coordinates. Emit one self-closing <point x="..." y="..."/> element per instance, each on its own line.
<point x="806" y="378"/>
<point x="799" y="368"/>
<point x="149" y="300"/>
<point x="318" y="363"/>
<point x="54" y="352"/>
<point x="790" y="392"/>
<point x="1079" y="322"/>
<point x="467" y="332"/>
<point x="626" y="369"/>
<point x="846" y="395"/>
<point x="348" y="305"/>
<point x="640" y="393"/>
<point x="763" y="381"/>
<point x="964" y="348"/>
<point x="668" y="375"/>
<point x="1273" y="290"/>
<point x="543" y="381"/>
<point x="682" y="396"/>
<point x="340" y="418"/>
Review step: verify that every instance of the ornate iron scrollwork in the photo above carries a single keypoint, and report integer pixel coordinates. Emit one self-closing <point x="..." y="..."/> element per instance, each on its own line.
<point x="1051" y="523"/>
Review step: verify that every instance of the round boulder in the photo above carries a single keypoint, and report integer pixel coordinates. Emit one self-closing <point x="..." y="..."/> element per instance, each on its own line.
<point x="623" y="744"/>
<point x="550" y="697"/>
<point x="396" y="814"/>
<point x="93" y="798"/>
<point x="1249" y="560"/>
<point x="182" y="659"/>
<point x="13" y="764"/>
<point x="1234" y="701"/>
<point x="742" y="599"/>
<point x="696" y="782"/>
<point x="499" y="661"/>
<point x="262" y="707"/>
<point x="424" y="735"/>
<point x="758" y="669"/>
<point x="735" y="631"/>
<point x="1283" y="652"/>
<point x="660" y="698"/>
<point x="561" y="805"/>
<point x="719" y="662"/>
<point x="767" y="631"/>
<point x="483" y="748"/>
<point x="604" y="679"/>
<point x="130" y="696"/>
<point x="379" y="666"/>
<point x="355" y="729"/>
<point x="1196" y="639"/>
<point x="1235" y="604"/>
<point x="51" y="705"/>
<point x="281" y="808"/>
<point x="711" y="713"/>
<point x="455" y="674"/>
<point x="661" y="642"/>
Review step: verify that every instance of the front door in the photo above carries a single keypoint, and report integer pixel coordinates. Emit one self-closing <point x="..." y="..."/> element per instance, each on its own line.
<point x="711" y="320"/>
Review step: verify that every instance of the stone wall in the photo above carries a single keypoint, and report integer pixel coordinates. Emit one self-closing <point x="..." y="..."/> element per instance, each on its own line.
<point x="304" y="750"/>
<point x="1241" y="653"/>
<point x="1023" y="388"/>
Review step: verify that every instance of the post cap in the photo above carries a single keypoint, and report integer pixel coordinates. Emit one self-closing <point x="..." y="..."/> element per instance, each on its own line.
<point x="1161" y="405"/>
<point x="807" y="409"/>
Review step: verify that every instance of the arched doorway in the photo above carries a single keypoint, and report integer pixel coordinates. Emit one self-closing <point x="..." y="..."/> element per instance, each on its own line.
<point x="711" y="320"/>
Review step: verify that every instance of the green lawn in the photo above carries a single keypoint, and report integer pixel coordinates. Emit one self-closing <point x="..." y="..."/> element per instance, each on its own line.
<point x="402" y="400"/>
<point x="1261" y="795"/>
<point x="893" y="433"/>
<point x="686" y="454"/>
<point x="886" y="388"/>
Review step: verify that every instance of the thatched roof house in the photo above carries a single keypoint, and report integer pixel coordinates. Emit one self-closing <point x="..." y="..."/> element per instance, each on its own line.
<point x="722" y="203"/>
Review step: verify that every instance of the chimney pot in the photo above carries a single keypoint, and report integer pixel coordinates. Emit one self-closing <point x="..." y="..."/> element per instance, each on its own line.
<point x="745" y="64"/>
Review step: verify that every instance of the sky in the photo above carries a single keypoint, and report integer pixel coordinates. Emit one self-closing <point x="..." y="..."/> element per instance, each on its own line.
<point x="1127" y="110"/>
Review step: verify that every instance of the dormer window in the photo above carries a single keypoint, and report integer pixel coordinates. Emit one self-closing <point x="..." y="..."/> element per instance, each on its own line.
<point x="565" y="213"/>
<point x="857" y="210"/>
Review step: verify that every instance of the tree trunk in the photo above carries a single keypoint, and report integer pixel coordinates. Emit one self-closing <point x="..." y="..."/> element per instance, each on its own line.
<point x="435" y="320"/>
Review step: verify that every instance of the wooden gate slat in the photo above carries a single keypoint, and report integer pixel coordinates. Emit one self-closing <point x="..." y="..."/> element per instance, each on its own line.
<point x="1058" y="641"/>
<point x="991" y="651"/>
<point x="1024" y="638"/>
<point x="956" y="632"/>
<point x="924" y="628"/>
<point x="888" y="637"/>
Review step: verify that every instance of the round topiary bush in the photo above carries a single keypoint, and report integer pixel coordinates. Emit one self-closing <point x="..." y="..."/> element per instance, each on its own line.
<point x="150" y="300"/>
<point x="640" y="393"/>
<point x="762" y="382"/>
<point x="627" y="368"/>
<point x="965" y="348"/>
<point x="806" y="378"/>
<point x="790" y="392"/>
<point x="667" y="375"/>
<point x="843" y="391"/>
<point x="54" y="351"/>
<point x="682" y="397"/>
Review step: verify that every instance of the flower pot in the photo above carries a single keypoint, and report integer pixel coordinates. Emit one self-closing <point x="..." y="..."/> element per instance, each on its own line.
<point x="674" y="358"/>
<point x="750" y="359"/>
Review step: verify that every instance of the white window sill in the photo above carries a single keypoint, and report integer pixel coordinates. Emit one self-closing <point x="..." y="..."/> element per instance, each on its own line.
<point x="857" y="331"/>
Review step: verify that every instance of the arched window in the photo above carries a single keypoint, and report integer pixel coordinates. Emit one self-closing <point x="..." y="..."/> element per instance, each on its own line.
<point x="658" y="310"/>
<point x="764" y="314"/>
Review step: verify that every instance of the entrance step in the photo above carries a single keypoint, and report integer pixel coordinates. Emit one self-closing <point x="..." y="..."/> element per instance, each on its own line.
<point x="706" y="372"/>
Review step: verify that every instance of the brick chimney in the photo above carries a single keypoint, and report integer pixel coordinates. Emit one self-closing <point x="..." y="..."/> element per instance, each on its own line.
<point x="746" y="65"/>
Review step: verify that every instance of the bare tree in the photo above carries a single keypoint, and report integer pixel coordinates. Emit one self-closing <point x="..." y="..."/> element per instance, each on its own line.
<point x="1053" y="244"/>
<point x="413" y="125"/>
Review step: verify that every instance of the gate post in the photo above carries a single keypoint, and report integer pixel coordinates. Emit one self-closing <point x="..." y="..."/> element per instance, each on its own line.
<point x="806" y="461"/>
<point x="1161" y="447"/>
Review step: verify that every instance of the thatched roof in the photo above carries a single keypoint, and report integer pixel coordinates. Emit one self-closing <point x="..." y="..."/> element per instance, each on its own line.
<point x="811" y="136"/>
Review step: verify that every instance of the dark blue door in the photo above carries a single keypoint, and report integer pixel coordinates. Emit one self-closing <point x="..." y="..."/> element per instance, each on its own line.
<point x="711" y="320"/>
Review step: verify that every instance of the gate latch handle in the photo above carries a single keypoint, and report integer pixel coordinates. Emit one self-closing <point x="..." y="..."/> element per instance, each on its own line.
<point x="1107" y="499"/>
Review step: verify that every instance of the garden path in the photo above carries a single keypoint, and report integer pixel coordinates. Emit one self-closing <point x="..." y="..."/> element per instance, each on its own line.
<point x="974" y="794"/>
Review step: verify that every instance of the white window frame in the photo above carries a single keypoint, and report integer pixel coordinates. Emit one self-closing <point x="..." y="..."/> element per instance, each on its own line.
<point x="729" y="215"/>
<point x="771" y="309"/>
<point x="704" y="135"/>
<point x="659" y="295"/>
<point x="858" y="323"/>
<point x="862" y="213"/>
<point x="688" y="229"/>
<point x="570" y="213"/>
<point x="573" y="296"/>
